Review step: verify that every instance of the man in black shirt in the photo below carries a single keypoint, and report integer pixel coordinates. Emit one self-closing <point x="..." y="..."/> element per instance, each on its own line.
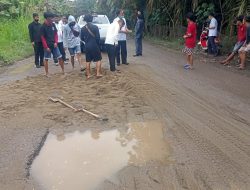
<point x="246" y="47"/>
<point x="49" y="38"/>
<point x="91" y="37"/>
<point x="35" y="38"/>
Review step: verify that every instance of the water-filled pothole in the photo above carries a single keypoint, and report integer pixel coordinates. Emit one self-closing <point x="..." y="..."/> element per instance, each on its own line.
<point x="84" y="160"/>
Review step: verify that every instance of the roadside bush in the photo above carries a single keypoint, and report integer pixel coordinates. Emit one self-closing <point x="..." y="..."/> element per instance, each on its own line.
<point x="14" y="40"/>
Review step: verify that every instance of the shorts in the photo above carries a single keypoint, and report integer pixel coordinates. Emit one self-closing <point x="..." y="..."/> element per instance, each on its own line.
<point x="55" y="51"/>
<point x="237" y="46"/>
<point x="245" y="48"/>
<point x="75" y="50"/>
<point x="93" y="55"/>
<point x="188" y="51"/>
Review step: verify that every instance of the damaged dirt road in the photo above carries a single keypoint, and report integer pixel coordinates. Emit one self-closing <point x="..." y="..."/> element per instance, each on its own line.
<point x="168" y="128"/>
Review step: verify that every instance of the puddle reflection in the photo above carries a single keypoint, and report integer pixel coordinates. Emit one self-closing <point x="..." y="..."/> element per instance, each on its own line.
<point x="84" y="160"/>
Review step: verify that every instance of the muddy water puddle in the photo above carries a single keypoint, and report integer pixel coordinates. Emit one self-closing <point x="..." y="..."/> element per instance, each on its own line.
<point x="85" y="160"/>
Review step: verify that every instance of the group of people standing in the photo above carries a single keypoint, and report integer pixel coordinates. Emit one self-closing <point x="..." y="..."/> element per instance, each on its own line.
<point x="242" y="45"/>
<point x="56" y="35"/>
<point x="53" y="37"/>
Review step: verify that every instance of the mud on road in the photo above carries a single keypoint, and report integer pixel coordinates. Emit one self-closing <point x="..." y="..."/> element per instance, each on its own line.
<point x="167" y="129"/>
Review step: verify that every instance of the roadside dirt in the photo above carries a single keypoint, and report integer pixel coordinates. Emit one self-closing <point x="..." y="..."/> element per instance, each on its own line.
<point x="204" y="114"/>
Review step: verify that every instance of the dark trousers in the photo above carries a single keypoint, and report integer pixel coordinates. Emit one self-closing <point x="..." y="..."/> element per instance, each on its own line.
<point x="111" y="50"/>
<point x="121" y="51"/>
<point x="212" y="47"/>
<point x="62" y="51"/>
<point x="39" y="53"/>
<point x="138" y="46"/>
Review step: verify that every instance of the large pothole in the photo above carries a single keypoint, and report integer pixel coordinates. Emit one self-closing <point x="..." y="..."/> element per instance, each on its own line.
<point x="85" y="160"/>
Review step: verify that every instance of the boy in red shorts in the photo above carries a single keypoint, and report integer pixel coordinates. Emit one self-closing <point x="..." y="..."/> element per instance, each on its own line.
<point x="190" y="40"/>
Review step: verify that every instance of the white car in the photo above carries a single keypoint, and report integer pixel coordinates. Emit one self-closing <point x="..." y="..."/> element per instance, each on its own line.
<point x="102" y="22"/>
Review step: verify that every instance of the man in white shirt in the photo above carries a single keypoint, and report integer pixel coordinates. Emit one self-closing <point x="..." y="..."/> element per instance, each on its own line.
<point x="59" y="27"/>
<point x="112" y="41"/>
<point x="122" y="39"/>
<point x="212" y="34"/>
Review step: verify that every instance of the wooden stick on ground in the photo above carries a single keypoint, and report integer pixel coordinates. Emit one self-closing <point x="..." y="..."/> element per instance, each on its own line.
<point x="55" y="100"/>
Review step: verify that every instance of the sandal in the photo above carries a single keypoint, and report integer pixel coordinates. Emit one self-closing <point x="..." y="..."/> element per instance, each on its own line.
<point x="187" y="67"/>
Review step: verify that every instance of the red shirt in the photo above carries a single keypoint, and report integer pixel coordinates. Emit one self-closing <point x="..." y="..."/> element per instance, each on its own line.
<point x="241" y="32"/>
<point x="191" y="30"/>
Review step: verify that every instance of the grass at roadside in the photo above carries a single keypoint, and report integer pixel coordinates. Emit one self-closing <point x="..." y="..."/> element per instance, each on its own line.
<point x="178" y="43"/>
<point x="174" y="43"/>
<point x="14" y="40"/>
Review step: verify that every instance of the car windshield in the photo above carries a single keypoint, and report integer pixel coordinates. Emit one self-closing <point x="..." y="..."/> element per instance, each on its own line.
<point x="96" y="20"/>
<point x="100" y="20"/>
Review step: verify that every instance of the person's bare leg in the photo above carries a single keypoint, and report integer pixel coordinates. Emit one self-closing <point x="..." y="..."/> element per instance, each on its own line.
<point x="61" y="62"/>
<point x="98" y="69"/>
<point x="88" y="70"/>
<point x="79" y="58"/>
<point x="229" y="58"/>
<point x="242" y="60"/>
<point x="46" y="67"/>
<point x="73" y="61"/>
<point x="191" y="61"/>
<point x="188" y="61"/>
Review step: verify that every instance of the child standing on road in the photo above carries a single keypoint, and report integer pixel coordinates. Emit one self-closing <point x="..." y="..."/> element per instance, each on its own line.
<point x="190" y="40"/>
<point x="49" y="38"/>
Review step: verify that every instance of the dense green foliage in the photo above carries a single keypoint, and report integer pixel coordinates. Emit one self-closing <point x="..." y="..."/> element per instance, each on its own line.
<point x="164" y="18"/>
<point x="14" y="19"/>
<point x="14" y="40"/>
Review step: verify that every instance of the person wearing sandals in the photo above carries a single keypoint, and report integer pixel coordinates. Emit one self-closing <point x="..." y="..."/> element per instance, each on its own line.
<point x="71" y="41"/>
<point x="241" y="38"/>
<point x="190" y="40"/>
<point x="91" y="37"/>
<point x="246" y="46"/>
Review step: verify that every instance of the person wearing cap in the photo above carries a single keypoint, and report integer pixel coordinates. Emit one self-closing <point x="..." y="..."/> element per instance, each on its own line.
<point x="190" y="40"/>
<point x="49" y="39"/>
<point x="112" y="42"/>
<point x="122" y="40"/>
<point x="246" y="46"/>
<point x="212" y="34"/>
<point x="71" y="41"/>
<point x="35" y="38"/>
<point x="139" y="27"/>
<point x="90" y="35"/>
<point x="241" y="38"/>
